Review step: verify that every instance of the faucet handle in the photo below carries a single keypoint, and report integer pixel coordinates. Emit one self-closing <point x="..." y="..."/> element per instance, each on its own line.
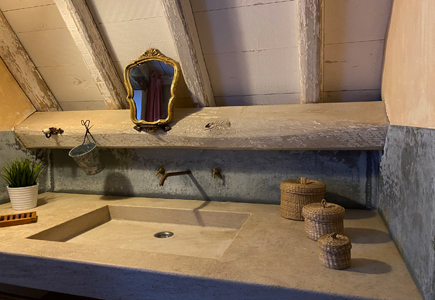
<point x="160" y="171"/>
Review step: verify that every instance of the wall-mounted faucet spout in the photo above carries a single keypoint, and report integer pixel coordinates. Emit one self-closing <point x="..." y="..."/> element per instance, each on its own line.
<point x="166" y="175"/>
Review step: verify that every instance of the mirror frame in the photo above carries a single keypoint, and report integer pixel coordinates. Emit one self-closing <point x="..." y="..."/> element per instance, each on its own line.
<point x="149" y="55"/>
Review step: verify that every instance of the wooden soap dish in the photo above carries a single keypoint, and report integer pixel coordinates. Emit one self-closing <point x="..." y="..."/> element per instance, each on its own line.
<point x="18" y="219"/>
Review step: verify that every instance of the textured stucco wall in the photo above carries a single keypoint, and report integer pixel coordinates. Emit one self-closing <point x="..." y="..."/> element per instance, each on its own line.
<point x="10" y="148"/>
<point x="248" y="176"/>
<point x="407" y="200"/>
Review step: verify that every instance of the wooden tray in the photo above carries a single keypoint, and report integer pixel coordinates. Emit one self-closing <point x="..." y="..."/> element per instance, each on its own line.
<point x="18" y="219"/>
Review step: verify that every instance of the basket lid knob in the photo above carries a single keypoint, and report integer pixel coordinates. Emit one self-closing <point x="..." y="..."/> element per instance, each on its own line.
<point x="324" y="203"/>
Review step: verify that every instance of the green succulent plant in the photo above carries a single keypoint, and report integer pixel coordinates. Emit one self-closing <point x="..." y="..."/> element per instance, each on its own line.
<point x="21" y="173"/>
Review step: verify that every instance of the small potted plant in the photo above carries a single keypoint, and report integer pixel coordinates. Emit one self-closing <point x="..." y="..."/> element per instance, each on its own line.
<point x="21" y="177"/>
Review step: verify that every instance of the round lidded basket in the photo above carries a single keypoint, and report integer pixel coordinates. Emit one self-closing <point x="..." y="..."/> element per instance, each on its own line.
<point x="335" y="251"/>
<point x="323" y="218"/>
<point x="296" y="193"/>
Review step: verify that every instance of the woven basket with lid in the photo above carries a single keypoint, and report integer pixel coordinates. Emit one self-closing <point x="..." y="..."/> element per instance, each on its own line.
<point x="296" y="193"/>
<point x="334" y="251"/>
<point x="323" y="218"/>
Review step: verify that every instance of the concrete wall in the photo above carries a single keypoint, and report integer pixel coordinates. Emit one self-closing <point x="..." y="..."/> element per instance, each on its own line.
<point x="407" y="86"/>
<point x="248" y="176"/>
<point x="10" y="149"/>
<point x="406" y="200"/>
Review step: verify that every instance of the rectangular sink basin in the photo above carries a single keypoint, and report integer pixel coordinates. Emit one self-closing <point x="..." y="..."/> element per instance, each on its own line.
<point x="196" y="233"/>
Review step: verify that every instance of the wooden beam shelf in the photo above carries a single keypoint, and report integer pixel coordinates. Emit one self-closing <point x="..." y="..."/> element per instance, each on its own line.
<point x="321" y="126"/>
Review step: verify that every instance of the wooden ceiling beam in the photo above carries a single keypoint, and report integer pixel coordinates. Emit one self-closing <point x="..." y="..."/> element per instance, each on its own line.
<point x="84" y="31"/>
<point x="310" y="20"/>
<point x="323" y="126"/>
<point x="24" y="71"/>
<point x="182" y="24"/>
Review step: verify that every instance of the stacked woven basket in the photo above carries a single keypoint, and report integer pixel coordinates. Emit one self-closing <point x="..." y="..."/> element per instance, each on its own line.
<point x="303" y="199"/>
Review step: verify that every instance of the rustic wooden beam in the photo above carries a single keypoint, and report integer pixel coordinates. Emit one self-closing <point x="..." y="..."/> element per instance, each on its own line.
<point x="311" y="49"/>
<point x="85" y="33"/>
<point x="182" y="24"/>
<point x="24" y="71"/>
<point x="323" y="126"/>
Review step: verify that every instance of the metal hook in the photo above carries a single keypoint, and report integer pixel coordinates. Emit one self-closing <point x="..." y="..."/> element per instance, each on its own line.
<point x="86" y="124"/>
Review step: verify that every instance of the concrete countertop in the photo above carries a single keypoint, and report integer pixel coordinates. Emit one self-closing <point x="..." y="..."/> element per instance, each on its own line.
<point x="270" y="258"/>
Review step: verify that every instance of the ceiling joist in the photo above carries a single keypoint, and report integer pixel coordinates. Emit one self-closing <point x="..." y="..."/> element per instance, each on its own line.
<point x="310" y="49"/>
<point x="85" y="33"/>
<point x="182" y="24"/>
<point x="24" y="71"/>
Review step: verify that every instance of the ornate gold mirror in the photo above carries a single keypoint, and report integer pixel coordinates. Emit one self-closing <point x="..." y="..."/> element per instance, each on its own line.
<point x="151" y="81"/>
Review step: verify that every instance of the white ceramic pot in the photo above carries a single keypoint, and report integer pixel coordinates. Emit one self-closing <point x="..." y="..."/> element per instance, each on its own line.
<point x="23" y="198"/>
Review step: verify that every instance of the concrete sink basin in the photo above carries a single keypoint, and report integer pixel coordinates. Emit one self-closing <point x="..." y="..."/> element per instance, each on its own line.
<point x="196" y="233"/>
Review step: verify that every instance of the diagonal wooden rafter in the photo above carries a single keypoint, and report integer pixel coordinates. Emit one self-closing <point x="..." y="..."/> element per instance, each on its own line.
<point x="85" y="33"/>
<point x="182" y="24"/>
<point x="310" y="20"/>
<point x="24" y="71"/>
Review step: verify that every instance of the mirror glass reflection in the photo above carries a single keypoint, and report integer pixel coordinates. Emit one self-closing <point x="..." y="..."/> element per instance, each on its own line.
<point x="151" y="82"/>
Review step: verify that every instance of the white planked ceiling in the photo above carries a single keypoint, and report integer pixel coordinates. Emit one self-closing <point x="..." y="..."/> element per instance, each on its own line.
<point x="43" y="33"/>
<point x="129" y="30"/>
<point x="250" y="49"/>
<point x="355" y="33"/>
<point x="250" y="46"/>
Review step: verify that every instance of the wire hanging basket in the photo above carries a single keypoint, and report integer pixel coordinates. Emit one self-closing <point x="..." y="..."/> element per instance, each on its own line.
<point x="86" y="155"/>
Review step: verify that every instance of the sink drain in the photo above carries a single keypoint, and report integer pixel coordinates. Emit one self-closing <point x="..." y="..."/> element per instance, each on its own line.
<point x="163" y="234"/>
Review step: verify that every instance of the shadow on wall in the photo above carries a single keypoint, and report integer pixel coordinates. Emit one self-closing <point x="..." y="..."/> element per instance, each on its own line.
<point x="247" y="176"/>
<point x="117" y="184"/>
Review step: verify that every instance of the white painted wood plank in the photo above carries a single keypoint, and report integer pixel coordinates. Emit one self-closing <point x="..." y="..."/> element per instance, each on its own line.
<point x="323" y="126"/>
<point x="183" y="28"/>
<point x="310" y="24"/>
<point x="353" y="66"/>
<point x="126" y="41"/>
<point x="273" y="71"/>
<point x="203" y="5"/>
<point x="356" y="20"/>
<point x="86" y="36"/>
<point x="352" y="96"/>
<point x="22" y="68"/>
<point x="110" y="11"/>
<point x="83" y="105"/>
<point x="71" y="83"/>
<point x="51" y="47"/>
<point x="6" y="5"/>
<point x="248" y="100"/>
<point x="35" y="19"/>
<point x="248" y="28"/>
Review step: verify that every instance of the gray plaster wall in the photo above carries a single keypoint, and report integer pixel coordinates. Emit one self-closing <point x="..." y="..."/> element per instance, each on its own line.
<point x="248" y="176"/>
<point x="10" y="148"/>
<point x="407" y="200"/>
